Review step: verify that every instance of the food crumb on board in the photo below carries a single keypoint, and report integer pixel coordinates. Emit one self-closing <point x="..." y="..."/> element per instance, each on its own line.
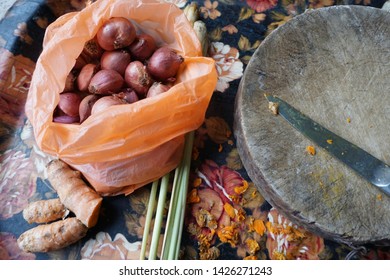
<point x="379" y="197"/>
<point x="329" y="141"/>
<point x="311" y="150"/>
<point x="348" y="120"/>
<point x="274" y="107"/>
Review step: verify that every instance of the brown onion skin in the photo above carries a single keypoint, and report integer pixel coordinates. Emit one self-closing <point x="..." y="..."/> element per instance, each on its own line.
<point x="137" y="77"/>
<point x="92" y="49"/>
<point x="143" y="47"/>
<point x="164" y="64"/>
<point x="116" y="33"/>
<point x="105" y="102"/>
<point x="157" y="88"/>
<point x="115" y="60"/>
<point x="70" y="81"/>
<point x="86" y="105"/>
<point x="85" y="76"/>
<point x="69" y="103"/>
<point x="106" y="81"/>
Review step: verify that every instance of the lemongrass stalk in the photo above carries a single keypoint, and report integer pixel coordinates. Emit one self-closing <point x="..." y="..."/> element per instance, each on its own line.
<point x="170" y="217"/>
<point x="159" y="217"/>
<point x="184" y="183"/>
<point x="180" y="203"/>
<point x="148" y="218"/>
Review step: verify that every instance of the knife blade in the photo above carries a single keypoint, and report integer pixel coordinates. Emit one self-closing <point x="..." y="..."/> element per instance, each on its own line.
<point x="366" y="165"/>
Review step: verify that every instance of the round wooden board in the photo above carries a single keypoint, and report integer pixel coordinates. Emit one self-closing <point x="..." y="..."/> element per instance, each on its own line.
<point x="333" y="64"/>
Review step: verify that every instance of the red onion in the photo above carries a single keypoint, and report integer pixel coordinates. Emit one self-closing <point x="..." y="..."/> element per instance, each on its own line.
<point x="85" y="76"/>
<point x="115" y="60"/>
<point x="106" y="82"/>
<point x="138" y="78"/>
<point x="143" y="47"/>
<point x="157" y="88"/>
<point x="69" y="103"/>
<point x="105" y="102"/>
<point x="116" y="33"/>
<point x="164" y="64"/>
<point x="86" y="105"/>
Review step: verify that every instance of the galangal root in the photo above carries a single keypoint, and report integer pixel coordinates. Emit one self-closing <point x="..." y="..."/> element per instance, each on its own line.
<point x="58" y="231"/>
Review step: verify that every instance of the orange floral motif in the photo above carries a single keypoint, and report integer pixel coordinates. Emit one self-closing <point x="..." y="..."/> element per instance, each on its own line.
<point x="229" y="67"/>
<point x="231" y="29"/>
<point x="209" y="10"/>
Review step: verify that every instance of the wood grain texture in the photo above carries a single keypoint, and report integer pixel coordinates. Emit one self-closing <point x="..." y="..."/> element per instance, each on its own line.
<point x="332" y="64"/>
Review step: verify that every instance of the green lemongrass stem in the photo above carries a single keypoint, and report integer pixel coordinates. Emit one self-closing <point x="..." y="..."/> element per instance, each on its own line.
<point x="182" y="199"/>
<point x="159" y="217"/>
<point x="170" y="217"/>
<point x="148" y="218"/>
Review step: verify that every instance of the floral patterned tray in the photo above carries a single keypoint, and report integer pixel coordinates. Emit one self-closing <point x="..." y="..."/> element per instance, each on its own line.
<point x="248" y="227"/>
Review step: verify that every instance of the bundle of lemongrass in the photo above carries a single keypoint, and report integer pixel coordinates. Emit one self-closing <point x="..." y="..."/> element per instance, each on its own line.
<point x="177" y="205"/>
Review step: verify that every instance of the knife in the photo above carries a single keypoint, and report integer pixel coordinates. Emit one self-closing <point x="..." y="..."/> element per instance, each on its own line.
<point x="367" y="166"/>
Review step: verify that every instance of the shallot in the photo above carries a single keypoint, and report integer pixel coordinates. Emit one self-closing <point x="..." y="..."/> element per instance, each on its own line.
<point x="143" y="47"/>
<point x="164" y="64"/>
<point x="105" y="82"/>
<point x="138" y="78"/>
<point x="157" y="88"/>
<point x="86" y="105"/>
<point x="128" y="95"/>
<point x="116" y="33"/>
<point x="85" y="76"/>
<point x="115" y="60"/>
<point x="105" y="102"/>
<point x="69" y="103"/>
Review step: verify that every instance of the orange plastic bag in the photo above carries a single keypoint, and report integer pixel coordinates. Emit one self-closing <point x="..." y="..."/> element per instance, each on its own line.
<point x="126" y="146"/>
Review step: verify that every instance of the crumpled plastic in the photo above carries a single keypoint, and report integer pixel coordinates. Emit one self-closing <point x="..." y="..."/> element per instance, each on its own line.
<point x="126" y="146"/>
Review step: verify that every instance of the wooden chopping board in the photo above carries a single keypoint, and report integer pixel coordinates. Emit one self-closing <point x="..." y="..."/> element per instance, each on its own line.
<point x="332" y="64"/>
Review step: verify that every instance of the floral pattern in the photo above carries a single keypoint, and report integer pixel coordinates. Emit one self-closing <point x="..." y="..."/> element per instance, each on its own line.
<point x="227" y="217"/>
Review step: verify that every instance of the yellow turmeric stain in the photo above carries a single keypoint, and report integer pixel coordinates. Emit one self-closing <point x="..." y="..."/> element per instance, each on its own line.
<point x="228" y="234"/>
<point x="193" y="196"/>
<point x="241" y="189"/>
<point x="278" y="255"/>
<point x="250" y="258"/>
<point x="252" y="246"/>
<point x="259" y="227"/>
<point x="311" y="150"/>
<point x="229" y="209"/>
<point x="197" y="182"/>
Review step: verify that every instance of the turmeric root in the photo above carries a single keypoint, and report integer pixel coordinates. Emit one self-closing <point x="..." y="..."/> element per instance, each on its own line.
<point x="54" y="236"/>
<point x="73" y="192"/>
<point x="44" y="211"/>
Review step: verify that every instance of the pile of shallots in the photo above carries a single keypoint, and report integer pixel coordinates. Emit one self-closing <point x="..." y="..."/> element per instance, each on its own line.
<point x="117" y="66"/>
